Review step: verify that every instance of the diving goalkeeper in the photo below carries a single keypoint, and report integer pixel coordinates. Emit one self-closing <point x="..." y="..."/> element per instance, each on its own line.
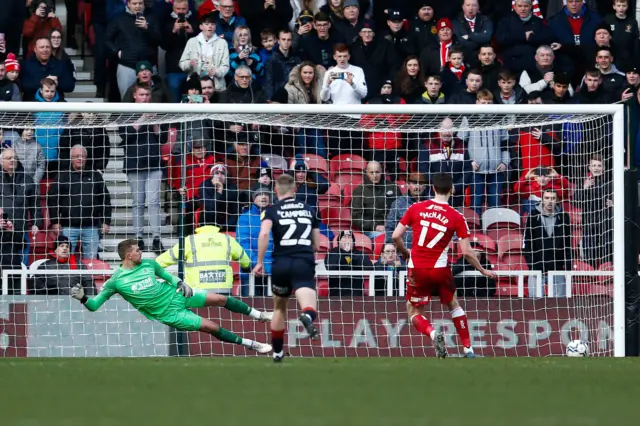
<point x="167" y="302"/>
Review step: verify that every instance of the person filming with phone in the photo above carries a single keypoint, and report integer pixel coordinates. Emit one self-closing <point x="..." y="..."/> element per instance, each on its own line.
<point x="344" y="83"/>
<point x="42" y="21"/>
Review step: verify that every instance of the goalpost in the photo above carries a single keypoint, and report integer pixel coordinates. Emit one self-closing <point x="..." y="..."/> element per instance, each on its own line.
<point x="535" y="310"/>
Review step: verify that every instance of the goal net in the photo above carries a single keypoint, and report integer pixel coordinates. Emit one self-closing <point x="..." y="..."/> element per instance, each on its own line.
<point x="540" y="186"/>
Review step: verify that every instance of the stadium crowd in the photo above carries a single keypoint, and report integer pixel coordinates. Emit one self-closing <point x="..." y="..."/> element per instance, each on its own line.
<point x="555" y="179"/>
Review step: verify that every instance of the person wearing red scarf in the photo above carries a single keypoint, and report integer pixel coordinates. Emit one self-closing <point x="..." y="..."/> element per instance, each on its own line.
<point x="61" y="259"/>
<point x="434" y="56"/>
<point x="453" y="73"/>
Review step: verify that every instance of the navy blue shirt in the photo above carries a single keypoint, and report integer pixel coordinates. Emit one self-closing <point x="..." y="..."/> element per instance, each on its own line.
<point x="292" y="230"/>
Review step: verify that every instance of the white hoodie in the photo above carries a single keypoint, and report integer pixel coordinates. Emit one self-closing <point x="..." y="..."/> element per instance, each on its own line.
<point x="207" y="53"/>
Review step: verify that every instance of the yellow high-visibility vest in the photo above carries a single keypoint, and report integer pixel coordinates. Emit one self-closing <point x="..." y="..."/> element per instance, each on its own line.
<point x="207" y="256"/>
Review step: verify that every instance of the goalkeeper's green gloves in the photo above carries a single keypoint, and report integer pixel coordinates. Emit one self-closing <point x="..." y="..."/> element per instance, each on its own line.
<point x="184" y="289"/>
<point x="77" y="292"/>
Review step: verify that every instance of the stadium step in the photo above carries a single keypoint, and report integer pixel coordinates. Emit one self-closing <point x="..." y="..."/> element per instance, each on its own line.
<point x="82" y="90"/>
<point x="84" y="76"/>
<point x="114" y="139"/>
<point x="125" y="218"/>
<point x="115" y="177"/>
<point x="115" y="165"/>
<point x="111" y="244"/>
<point x="127" y="231"/>
<point x="119" y="192"/>
<point x="78" y="63"/>
<point x="117" y="153"/>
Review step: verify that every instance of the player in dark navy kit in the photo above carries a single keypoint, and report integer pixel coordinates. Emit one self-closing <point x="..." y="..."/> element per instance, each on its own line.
<point x="295" y="239"/>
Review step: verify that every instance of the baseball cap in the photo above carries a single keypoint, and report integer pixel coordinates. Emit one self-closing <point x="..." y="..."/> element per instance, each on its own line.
<point x="394" y="15"/>
<point x="444" y="23"/>
<point x="144" y="65"/>
<point x="264" y="171"/>
<point x="218" y="167"/>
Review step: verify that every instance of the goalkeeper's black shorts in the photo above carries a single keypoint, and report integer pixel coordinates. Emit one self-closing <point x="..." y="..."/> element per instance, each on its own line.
<point x="290" y="273"/>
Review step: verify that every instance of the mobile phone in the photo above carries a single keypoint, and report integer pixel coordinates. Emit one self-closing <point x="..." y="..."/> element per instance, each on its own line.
<point x="139" y="16"/>
<point x="197" y="99"/>
<point x="182" y="18"/>
<point x="47" y="10"/>
<point x="340" y="76"/>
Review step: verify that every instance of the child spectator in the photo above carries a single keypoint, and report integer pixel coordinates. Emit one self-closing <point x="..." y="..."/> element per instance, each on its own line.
<point x="31" y="156"/>
<point x="244" y="53"/>
<point x="453" y="73"/>
<point x="49" y="137"/>
<point x="9" y="91"/>
<point x="509" y="92"/>
<point x="12" y="67"/>
<point x="433" y="95"/>
<point x="559" y="91"/>
<point x="624" y="29"/>
<point x="268" y="41"/>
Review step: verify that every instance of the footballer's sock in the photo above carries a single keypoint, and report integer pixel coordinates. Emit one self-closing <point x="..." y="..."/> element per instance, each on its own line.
<point x="423" y="326"/>
<point x="311" y="313"/>
<point x="277" y="340"/>
<point x="235" y="305"/>
<point x="227" y="336"/>
<point x="460" y="321"/>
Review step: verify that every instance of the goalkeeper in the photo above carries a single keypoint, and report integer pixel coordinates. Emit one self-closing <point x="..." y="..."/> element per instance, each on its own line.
<point x="167" y="302"/>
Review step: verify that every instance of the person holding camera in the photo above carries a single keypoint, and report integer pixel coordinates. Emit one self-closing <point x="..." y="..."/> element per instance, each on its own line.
<point x="244" y="53"/>
<point x="42" y="21"/>
<point x="132" y="36"/>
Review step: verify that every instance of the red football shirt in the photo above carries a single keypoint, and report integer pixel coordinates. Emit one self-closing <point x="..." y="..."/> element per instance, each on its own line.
<point x="433" y="226"/>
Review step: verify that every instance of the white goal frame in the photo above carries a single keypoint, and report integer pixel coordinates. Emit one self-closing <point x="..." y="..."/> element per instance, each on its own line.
<point x="616" y="111"/>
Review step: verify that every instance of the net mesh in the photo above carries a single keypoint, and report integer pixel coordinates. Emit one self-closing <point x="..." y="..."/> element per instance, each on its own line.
<point x="157" y="176"/>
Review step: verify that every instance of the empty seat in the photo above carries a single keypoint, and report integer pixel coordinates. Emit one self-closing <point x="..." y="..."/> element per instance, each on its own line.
<point x="346" y="179"/>
<point x="97" y="265"/>
<point x="500" y="218"/>
<point x="472" y="218"/>
<point x="347" y="191"/>
<point x="338" y="218"/>
<point x="347" y="163"/>
<point x="509" y="244"/>
<point x="488" y="244"/>
<point x="324" y="245"/>
<point x="276" y="161"/>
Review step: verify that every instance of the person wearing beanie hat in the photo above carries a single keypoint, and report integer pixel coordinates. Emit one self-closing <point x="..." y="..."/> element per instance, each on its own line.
<point x="145" y="75"/>
<point x="422" y="24"/>
<point x="435" y="55"/>
<point x="346" y="257"/>
<point x="9" y="91"/>
<point x="265" y="176"/>
<point x="310" y="184"/>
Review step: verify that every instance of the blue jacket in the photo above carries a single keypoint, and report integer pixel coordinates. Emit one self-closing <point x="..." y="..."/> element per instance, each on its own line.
<point x="33" y="72"/>
<point x="225" y="29"/>
<point x="559" y="24"/>
<point x="48" y="138"/>
<point x="247" y="233"/>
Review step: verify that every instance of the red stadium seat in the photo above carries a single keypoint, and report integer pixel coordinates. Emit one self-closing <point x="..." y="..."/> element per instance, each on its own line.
<point x="347" y="190"/>
<point x="334" y="192"/>
<point x="325" y="205"/>
<point x="322" y="286"/>
<point x="509" y="244"/>
<point x="346" y="179"/>
<point x="314" y="163"/>
<point x="338" y="218"/>
<point x="363" y="243"/>
<point x="324" y="245"/>
<point x="500" y="218"/>
<point x="97" y="265"/>
<point x="488" y="244"/>
<point x="473" y="219"/>
<point x="347" y="163"/>
<point x="42" y="243"/>
<point x="402" y="185"/>
<point x="378" y="245"/>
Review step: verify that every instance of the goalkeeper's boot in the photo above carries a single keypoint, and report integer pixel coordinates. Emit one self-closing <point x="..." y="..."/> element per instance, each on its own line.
<point x="279" y="356"/>
<point x="261" y="348"/>
<point x="438" y="344"/>
<point x="308" y="325"/>
<point x="265" y="316"/>
<point x="468" y="353"/>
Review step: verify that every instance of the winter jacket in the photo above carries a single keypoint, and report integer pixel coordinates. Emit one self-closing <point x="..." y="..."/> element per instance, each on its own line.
<point x="135" y="43"/>
<point x="490" y="75"/>
<point x="141" y="149"/>
<point x="349" y="32"/>
<point x="403" y="42"/>
<point x="518" y="52"/>
<point x="532" y="79"/>
<point x="277" y="70"/>
<point x="544" y="252"/>
<point x="531" y="187"/>
<point x="482" y="33"/>
<point x="320" y="52"/>
<point x="213" y="52"/>
<point x="79" y="199"/>
<point x="35" y="27"/>
<point x="339" y="260"/>
<point x="33" y="71"/>
<point x="175" y="43"/>
<point x="9" y="91"/>
<point x="94" y="139"/>
<point x="247" y="233"/>
<point x="613" y="81"/>
<point x="371" y="202"/>
<point x="424" y="33"/>
<point x="462" y="97"/>
<point x="221" y="209"/>
<point x="226" y="29"/>
<point x="257" y="66"/>
<point x="411" y="94"/>
<point x="434" y="158"/>
<point x="438" y="100"/>
<point x="473" y="286"/>
<point x="19" y="201"/>
<point x="625" y="38"/>
<point x="596" y="215"/>
<point x="160" y="93"/>
<point x="297" y="93"/>
<point x="378" y="60"/>
<point x="61" y="284"/>
<point x="197" y="171"/>
<point x="243" y="172"/>
<point x="487" y="147"/>
<point x="31" y="156"/>
<point x="384" y="140"/>
<point x="251" y="95"/>
<point x="518" y="96"/>
<point x="452" y="83"/>
<point x="309" y="191"/>
<point x="563" y="34"/>
<point x="258" y="18"/>
<point x="48" y="138"/>
<point x="396" y="212"/>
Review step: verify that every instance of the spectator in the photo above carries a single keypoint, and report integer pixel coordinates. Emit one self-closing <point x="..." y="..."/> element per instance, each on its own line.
<point x="352" y="23"/>
<point x="79" y="204"/>
<point x="559" y="92"/>
<point x="47" y="135"/>
<point x="535" y="181"/>
<point x="402" y="40"/>
<point x="42" y="65"/>
<point x="243" y="90"/>
<point x="42" y="20"/>
<point x="509" y="92"/>
<point x="9" y="91"/>
<point x="143" y="167"/>
<point x="132" y="36"/>
<point x="542" y="75"/>
<point x="488" y="67"/>
<point x="99" y="20"/>
<point x="310" y="184"/>
<point x="410" y="81"/>
<point x="424" y="26"/>
<point x="242" y="166"/>
<point x="520" y="34"/>
<point x="178" y="29"/>
<point x="472" y="30"/>
<point x="602" y="38"/>
<point x="453" y="74"/>
<point x="546" y="243"/>
<point x="334" y="9"/>
<point x="247" y="233"/>
<point x="244" y="53"/>
<point x="433" y="95"/>
<point x="145" y="76"/>
<point x="489" y="154"/>
<point x="592" y="91"/>
<point x="346" y="258"/>
<point x="220" y="200"/>
<point x="445" y="153"/>
<point x="624" y="29"/>
<point x="31" y="156"/>
<point x="280" y="64"/>
<point x="417" y="192"/>
<point x="468" y="96"/>
<point x="18" y="206"/>
<point x="268" y="42"/>
<point x="57" y="49"/>
<point x="228" y="21"/>
<point x="433" y="57"/>
<point x="302" y="17"/>
<point x="197" y="170"/>
<point x="372" y="200"/>
<point x="208" y="90"/>
<point x="261" y="14"/>
<point x="376" y="56"/>
<point x="594" y="198"/>
<point x="12" y="67"/>
<point x="389" y="262"/>
<point x="84" y="130"/>
<point x="304" y="87"/>
<point x="473" y="286"/>
<point x="344" y="83"/>
<point x="317" y="46"/>
<point x="613" y="80"/>
<point x="62" y="260"/>
<point x="11" y="24"/>
<point x="534" y="98"/>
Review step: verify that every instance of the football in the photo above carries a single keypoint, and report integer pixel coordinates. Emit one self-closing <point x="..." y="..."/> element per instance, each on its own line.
<point x="577" y="348"/>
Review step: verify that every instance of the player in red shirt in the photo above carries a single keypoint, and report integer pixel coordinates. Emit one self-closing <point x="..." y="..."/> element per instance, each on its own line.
<point x="433" y="223"/>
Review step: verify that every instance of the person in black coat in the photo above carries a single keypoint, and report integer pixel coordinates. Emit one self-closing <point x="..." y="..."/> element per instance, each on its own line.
<point x="263" y="14"/>
<point x="317" y="45"/>
<point x="489" y="67"/>
<point x="220" y="200"/>
<point x="83" y="131"/>
<point x="346" y="258"/>
<point x="280" y="64"/>
<point x="404" y="42"/>
<point x="473" y="286"/>
<point x="11" y="22"/>
<point x="470" y="39"/>
<point x="423" y="24"/>
<point x="519" y="34"/>
<point x="41" y="65"/>
<point x="508" y="91"/>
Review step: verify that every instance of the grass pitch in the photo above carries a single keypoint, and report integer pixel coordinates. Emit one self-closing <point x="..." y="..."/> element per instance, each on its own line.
<point x="319" y="392"/>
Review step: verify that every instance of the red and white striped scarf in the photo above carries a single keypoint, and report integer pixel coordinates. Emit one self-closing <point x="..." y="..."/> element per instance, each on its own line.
<point x="472" y="23"/>
<point x="534" y="5"/>
<point x="444" y="53"/>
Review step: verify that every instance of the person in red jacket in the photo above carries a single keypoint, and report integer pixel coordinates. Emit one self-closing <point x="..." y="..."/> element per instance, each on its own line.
<point x="42" y="21"/>
<point x="198" y="164"/>
<point x="535" y="181"/>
